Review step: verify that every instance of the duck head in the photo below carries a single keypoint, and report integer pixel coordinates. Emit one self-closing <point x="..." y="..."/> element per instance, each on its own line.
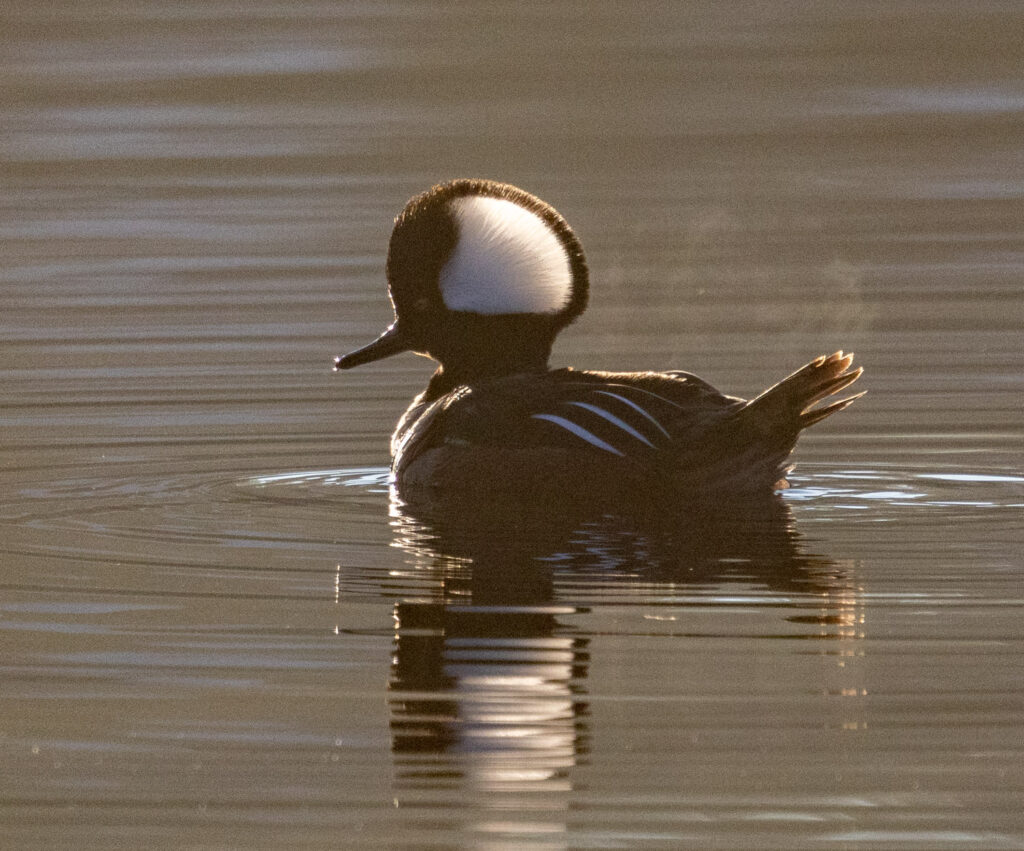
<point x="482" y="276"/>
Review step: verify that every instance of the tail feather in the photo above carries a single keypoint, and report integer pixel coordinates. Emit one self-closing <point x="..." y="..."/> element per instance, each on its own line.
<point x="769" y="424"/>
<point x="809" y="418"/>
<point x="833" y="386"/>
<point x="789" y="404"/>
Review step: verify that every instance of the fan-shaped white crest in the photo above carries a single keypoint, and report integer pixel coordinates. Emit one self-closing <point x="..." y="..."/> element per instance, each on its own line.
<point x="506" y="260"/>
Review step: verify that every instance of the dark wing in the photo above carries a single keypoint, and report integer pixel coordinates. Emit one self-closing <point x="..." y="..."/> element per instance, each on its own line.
<point x="636" y="417"/>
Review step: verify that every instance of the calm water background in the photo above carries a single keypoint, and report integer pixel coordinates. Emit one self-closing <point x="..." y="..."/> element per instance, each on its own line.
<point x="216" y="629"/>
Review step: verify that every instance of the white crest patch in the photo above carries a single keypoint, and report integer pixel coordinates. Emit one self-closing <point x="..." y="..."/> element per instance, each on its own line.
<point x="506" y="260"/>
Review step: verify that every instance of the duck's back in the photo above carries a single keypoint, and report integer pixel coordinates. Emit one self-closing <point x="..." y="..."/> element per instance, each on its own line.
<point x="571" y="429"/>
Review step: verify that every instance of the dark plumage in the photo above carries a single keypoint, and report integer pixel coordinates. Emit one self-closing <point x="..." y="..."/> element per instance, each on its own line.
<point x="495" y="418"/>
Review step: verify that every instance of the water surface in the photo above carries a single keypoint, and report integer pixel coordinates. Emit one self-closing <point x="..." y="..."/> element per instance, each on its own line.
<point x="221" y="629"/>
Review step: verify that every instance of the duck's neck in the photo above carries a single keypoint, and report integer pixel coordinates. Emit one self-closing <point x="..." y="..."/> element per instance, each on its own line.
<point x="493" y="350"/>
<point x="445" y="380"/>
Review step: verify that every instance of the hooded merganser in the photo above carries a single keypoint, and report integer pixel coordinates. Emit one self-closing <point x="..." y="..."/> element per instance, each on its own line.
<point x="483" y="276"/>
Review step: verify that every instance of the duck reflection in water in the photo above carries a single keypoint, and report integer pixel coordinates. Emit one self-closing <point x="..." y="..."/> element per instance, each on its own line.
<point x="488" y="690"/>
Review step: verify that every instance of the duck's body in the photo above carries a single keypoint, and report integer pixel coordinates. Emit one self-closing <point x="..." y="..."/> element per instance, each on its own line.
<point x="608" y="430"/>
<point x="483" y="276"/>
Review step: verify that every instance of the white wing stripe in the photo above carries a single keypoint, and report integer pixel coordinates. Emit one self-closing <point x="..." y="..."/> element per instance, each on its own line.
<point x="614" y="420"/>
<point x="579" y="431"/>
<point x="636" y="408"/>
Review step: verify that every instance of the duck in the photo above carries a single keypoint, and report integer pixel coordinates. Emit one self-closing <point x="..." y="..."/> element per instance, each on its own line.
<point x="483" y="276"/>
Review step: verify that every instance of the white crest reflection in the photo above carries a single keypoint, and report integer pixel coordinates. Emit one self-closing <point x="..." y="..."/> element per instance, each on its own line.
<point x="489" y="679"/>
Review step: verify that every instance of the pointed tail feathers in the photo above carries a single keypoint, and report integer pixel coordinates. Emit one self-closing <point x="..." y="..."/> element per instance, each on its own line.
<point x="789" y="404"/>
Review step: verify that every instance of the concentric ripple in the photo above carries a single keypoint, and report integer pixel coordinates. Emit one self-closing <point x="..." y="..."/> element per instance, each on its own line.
<point x="892" y="492"/>
<point x="337" y="531"/>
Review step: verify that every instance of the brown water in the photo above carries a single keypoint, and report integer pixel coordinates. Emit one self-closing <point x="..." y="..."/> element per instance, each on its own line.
<point x="216" y="630"/>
